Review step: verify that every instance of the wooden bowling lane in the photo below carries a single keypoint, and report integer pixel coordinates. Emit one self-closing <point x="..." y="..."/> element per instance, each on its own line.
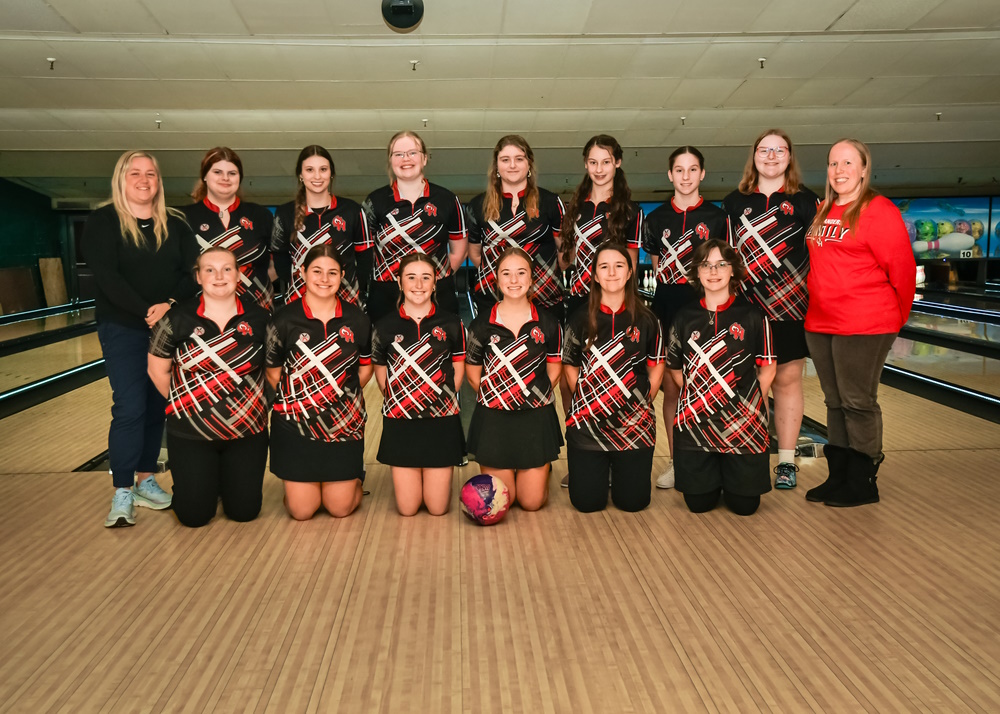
<point x="22" y="368"/>
<point x="961" y="368"/>
<point x="39" y="325"/>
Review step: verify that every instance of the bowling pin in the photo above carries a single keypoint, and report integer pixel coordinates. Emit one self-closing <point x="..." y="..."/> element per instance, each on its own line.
<point x="952" y="243"/>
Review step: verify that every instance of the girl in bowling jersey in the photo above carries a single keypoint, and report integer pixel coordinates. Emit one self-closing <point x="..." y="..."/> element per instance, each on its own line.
<point x="513" y="363"/>
<point x="861" y="287"/>
<point x="419" y="358"/>
<point x="317" y="217"/>
<point x="319" y="360"/>
<point x="221" y="219"/>
<point x="413" y="215"/>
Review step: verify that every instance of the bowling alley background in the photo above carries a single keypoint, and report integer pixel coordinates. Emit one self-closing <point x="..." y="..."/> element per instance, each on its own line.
<point x="951" y="228"/>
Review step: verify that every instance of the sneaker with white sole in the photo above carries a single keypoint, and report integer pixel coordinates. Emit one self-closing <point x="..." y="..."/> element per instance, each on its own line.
<point x="785" y="475"/>
<point x="122" y="511"/>
<point x="149" y="494"/>
<point x="666" y="479"/>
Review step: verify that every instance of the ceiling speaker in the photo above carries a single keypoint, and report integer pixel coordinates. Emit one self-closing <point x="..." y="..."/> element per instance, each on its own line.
<point x="402" y="14"/>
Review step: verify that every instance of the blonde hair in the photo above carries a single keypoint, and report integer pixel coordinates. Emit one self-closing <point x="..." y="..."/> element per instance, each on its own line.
<point x="396" y="137"/>
<point x="853" y="212"/>
<point x="793" y="175"/>
<point x="129" y="224"/>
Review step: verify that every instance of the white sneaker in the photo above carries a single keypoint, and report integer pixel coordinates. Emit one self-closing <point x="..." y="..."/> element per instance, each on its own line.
<point x="122" y="510"/>
<point x="666" y="479"/>
<point x="149" y="494"/>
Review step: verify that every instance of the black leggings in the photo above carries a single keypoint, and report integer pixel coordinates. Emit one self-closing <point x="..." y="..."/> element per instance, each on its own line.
<point x="630" y="473"/>
<point x="204" y="471"/>
<point x="704" y="502"/>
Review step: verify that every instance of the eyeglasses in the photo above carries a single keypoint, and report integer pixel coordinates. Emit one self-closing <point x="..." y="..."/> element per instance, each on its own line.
<point x="714" y="267"/>
<point x="400" y="155"/>
<point x="779" y="152"/>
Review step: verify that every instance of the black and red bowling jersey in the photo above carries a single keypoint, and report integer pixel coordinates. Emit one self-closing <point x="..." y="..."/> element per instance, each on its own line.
<point x="419" y="357"/>
<point x="398" y="228"/>
<point x="611" y="409"/>
<point x="721" y="407"/>
<point x="217" y="380"/>
<point x="672" y="234"/>
<point x="320" y="392"/>
<point x="248" y="237"/>
<point x="342" y="225"/>
<point x="514" y="366"/>
<point x="770" y="233"/>
<point x="589" y="229"/>
<point x="537" y="236"/>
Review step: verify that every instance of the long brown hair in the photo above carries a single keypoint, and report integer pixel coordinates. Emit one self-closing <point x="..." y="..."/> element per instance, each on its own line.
<point x="300" y="196"/>
<point x="633" y="305"/>
<point x="494" y="187"/>
<point x="516" y="252"/>
<point x="211" y="158"/>
<point x="793" y="175"/>
<point x="853" y="212"/>
<point x="621" y="200"/>
<point x="127" y="221"/>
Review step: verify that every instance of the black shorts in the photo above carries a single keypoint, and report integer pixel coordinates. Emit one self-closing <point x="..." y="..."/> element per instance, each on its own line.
<point x="788" y="338"/>
<point x="668" y="299"/>
<point x="295" y="457"/>
<point x="422" y="443"/>
<point x="383" y="297"/>
<point x="698" y="472"/>
<point x="523" y="439"/>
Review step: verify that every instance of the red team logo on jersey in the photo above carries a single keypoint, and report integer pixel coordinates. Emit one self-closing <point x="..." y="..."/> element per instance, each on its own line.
<point x="304" y="337"/>
<point x="244" y="329"/>
<point x="203" y="227"/>
<point x="702" y="231"/>
<point x="747" y="211"/>
<point x="494" y="339"/>
<point x="695" y="335"/>
<point x="346" y="333"/>
<point x="246" y="223"/>
<point x="438" y="332"/>
<point x="737" y="331"/>
<point x="397" y="338"/>
<point x="340" y="224"/>
<point x="537" y="335"/>
<point x="632" y="333"/>
<point x="198" y="331"/>
<point x="431" y="209"/>
<point x="787" y="209"/>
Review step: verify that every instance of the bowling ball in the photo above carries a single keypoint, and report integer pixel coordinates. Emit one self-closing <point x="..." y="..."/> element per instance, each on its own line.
<point x="485" y="499"/>
<point x="926" y="230"/>
<point x="945" y="227"/>
<point x="976" y="229"/>
<point x="911" y="230"/>
<point x="963" y="226"/>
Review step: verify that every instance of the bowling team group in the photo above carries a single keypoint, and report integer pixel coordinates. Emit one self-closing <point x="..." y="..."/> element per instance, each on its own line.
<point x="194" y="338"/>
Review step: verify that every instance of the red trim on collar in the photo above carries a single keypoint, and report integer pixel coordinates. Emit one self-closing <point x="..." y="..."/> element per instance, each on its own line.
<point x="333" y="204"/>
<point x="493" y="313"/>
<point x="215" y="209"/>
<point x="201" y="306"/>
<point x="520" y="194"/>
<point x="721" y="307"/>
<point x="756" y="189"/>
<point x="402" y="312"/>
<point x="305" y="308"/>
<point x="607" y="310"/>
<point x="701" y="200"/>
<point x="399" y="199"/>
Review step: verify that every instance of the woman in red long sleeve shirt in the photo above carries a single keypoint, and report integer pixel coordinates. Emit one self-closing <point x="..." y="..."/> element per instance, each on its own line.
<point x="861" y="285"/>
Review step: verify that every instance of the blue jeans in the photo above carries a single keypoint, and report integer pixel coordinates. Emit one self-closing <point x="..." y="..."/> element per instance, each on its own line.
<point x="137" y="410"/>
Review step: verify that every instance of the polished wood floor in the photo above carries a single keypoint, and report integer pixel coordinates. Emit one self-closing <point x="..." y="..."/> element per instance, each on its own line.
<point x="885" y="608"/>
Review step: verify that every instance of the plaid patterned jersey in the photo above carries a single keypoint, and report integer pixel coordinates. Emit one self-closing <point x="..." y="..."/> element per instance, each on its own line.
<point x="537" y="236"/>
<point x="770" y="232"/>
<point x="721" y="408"/>
<point x="672" y="234"/>
<point x="419" y="357"/>
<point x="514" y="366"/>
<point x="248" y="237"/>
<point x="319" y="392"/>
<point x="342" y="224"/>
<point x="217" y="380"/>
<point x="611" y="409"/>
<point x="589" y="229"/>
<point x="398" y="228"/>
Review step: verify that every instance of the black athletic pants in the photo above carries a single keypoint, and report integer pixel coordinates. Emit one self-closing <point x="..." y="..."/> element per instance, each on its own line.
<point x="704" y="502"/>
<point x="205" y="470"/>
<point x="630" y="473"/>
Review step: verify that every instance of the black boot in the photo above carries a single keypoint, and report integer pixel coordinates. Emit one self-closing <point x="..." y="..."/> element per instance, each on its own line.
<point x="836" y="461"/>
<point x="860" y="487"/>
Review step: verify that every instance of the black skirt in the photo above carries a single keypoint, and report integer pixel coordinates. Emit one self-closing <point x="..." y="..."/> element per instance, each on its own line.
<point x="429" y="443"/>
<point x="295" y="457"/>
<point x="524" y="439"/>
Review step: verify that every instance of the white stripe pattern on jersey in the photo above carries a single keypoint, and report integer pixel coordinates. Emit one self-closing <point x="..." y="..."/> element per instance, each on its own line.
<point x="753" y="231"/>
<point x="224" y="242"/>
<point x="411" y="362"/>
<point x="315" y="360"/>
<point x="210" y="353"/>
<point x="507" y="361"/>
<point x="705" y="358"/>
<point x="675" y="254"/>
<point x="397" y="229"/>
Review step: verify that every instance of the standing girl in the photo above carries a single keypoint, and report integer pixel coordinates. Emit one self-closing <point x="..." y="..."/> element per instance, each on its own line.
<point x="141" y="253"/>
<point x="419" y="357"/>
<point x="861" y="290"/>
<point x="220" y="219"/>
<point x="318" y="217"/>
<point x="206" y="357"/>
<point x="613" y="362"/>
<point x="319" y="360"/>
<point x="720" y="357"/>
<point x="515" y="212"/>
<point x="412" y="215"/>
<point x="672" y="233"/>
<point x="513" y="364"/>
<point x="770" y="212"/>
